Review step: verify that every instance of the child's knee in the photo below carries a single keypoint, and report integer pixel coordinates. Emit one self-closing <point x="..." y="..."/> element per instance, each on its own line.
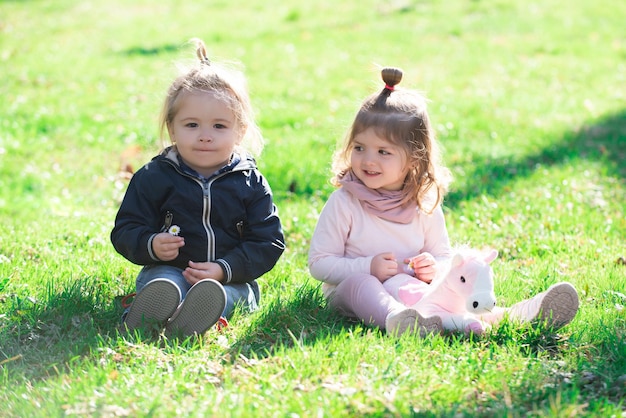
<point x="406" y="289"/>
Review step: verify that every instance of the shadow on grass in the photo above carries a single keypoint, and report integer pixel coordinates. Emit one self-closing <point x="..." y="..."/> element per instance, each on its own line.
<point x="604" y="141"/>
<point x="300" y="319"/>
<point x="306" y="319"/>
<point x="40" y="337"/>
<point x="40" y="340"/>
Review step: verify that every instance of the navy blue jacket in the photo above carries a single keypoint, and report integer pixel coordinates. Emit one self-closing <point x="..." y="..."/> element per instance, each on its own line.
<point x="229" y="218"/>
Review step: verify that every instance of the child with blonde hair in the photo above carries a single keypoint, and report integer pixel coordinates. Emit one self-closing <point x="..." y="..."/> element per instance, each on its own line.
<point x="200" y="216"/>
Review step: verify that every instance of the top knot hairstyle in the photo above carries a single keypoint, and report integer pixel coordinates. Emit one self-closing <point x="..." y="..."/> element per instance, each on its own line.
<point x="392" y="77"/>
<point x="201" y="52"/>
<point x="225" y="83"/>
<point x="401" y="117"/>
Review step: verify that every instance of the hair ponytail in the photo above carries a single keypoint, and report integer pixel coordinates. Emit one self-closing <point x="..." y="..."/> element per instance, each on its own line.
<point x="201" y="51"/>
<point x="392" y="77"/>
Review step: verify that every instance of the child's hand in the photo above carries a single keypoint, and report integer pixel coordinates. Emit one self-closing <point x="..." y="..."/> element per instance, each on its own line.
<point x="424" y="266"/>
<point x="384" y="266"/>
<point x="200" y="271"/>
<point x="166" y="245"/>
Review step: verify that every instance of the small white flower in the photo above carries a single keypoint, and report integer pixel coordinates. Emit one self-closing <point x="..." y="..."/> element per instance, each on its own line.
<point x="174" y="230"/>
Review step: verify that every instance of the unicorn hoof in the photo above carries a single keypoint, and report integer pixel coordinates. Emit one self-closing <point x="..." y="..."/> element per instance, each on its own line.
<point x="477" y="328"/>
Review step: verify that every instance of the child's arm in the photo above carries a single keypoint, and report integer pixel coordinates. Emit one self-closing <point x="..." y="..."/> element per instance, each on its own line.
<point x="436" y="251"/>
<point x="327" y="260"/>
<point x="436" y="239"/>
<point x="262" y="237"/>
<point x="137" y="222"/>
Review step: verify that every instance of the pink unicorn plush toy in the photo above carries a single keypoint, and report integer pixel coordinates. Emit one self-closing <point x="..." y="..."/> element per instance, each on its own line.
<point x="459" y="297"/>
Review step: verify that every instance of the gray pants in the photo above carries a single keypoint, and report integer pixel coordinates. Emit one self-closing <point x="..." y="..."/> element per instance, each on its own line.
<point x="245" y="294"/>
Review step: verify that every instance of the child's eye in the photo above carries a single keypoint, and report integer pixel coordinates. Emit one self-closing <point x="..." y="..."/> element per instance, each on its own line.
<point x="358" y="148"/>
<point x="219" y="126"/>
<point x="191" y="125"/>
<point x="384" y="152"/>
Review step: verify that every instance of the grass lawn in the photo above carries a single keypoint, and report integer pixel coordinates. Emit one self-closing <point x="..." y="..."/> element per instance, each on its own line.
<point x="528" y="99"/>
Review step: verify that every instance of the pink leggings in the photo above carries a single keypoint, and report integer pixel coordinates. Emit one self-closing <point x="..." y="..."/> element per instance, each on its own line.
<point x="363" y="296"/>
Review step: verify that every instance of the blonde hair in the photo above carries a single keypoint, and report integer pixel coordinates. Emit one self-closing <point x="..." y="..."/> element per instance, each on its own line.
<point x="226" y="84"/>
<point x="401" y="117"/>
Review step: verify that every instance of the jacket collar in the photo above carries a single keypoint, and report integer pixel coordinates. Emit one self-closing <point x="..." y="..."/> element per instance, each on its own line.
<point x="237" y="162"/>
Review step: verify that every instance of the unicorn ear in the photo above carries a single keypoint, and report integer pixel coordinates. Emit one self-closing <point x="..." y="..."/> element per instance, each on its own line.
<point x="457" y="260"/>
<point x="491" y="255"/>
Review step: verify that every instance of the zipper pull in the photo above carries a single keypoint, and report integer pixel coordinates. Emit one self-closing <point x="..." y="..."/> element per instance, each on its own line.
<point x="169" y="217"/>
<point x="240" y="228"/>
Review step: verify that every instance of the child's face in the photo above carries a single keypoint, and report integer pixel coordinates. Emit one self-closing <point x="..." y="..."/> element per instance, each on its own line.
<point x="378" y="163"/>
<point x="205" y="132"/>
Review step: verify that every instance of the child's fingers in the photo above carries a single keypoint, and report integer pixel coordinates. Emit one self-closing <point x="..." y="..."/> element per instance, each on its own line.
<point x="191" y="273"/>
<point x="164" y="237"/>
<point x="425" y="269"/>
<point x="420" y="262"/>
<point x="388" y="256"/>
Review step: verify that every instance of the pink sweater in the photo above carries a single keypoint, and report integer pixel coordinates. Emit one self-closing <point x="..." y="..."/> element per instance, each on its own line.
<point x="347" y="237"/>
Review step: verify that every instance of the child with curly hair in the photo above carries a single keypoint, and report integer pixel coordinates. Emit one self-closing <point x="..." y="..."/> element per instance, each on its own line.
<point x="387" y="212"/>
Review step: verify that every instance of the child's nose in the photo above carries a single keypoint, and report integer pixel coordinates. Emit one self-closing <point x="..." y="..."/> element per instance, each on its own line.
<point x="370" y="158"/>
<point x="205" y="136"/>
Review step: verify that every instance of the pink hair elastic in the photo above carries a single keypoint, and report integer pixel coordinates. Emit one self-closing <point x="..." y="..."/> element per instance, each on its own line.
<point x="388" y="87"/>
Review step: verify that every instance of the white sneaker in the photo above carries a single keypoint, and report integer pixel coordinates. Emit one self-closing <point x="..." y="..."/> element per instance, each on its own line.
<point x="154" y="304"/>
<point x="399" y="322"/>
<point x="557" y="306"/>
<point x="200" y="310"/>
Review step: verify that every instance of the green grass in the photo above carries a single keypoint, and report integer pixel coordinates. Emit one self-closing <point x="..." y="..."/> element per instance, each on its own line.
<point x="527" y="99"/>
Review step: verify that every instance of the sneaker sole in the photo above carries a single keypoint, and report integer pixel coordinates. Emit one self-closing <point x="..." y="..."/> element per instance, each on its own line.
<point x="156" y="302"/>
<point x="559" y="305"/>
<point x="429" y="325"/>
<point x="413" y="320"/>
<point x="200" y="310"/>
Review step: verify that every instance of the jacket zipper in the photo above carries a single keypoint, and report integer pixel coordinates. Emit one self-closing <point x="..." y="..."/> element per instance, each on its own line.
<point x="206" y="218"/>
<point x="207" y="208"/>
